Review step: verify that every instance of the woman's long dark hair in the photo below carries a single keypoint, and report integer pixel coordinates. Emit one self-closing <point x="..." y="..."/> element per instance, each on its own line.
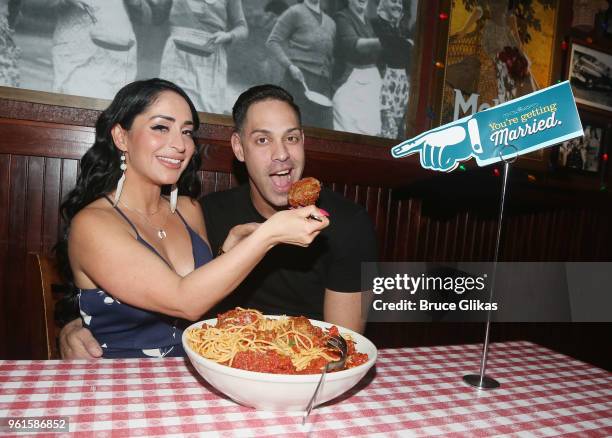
<point x="100" y="171"/>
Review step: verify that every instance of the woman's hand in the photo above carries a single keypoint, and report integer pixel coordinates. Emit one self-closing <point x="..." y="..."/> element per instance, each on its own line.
<point x="221" y="37"/>
<point x="296" y="226"/>
<point x="296" y="73"/>
<point x="236" y="234"/>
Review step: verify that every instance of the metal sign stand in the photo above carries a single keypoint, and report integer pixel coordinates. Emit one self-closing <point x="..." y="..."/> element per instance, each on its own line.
<point x="482" y="381"/>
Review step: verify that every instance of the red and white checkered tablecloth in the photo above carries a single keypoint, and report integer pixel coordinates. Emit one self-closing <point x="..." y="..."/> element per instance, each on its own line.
<point x="414" y="392"/>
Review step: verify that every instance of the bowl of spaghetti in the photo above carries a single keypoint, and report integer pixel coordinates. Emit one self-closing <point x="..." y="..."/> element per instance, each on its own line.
<point x="273" y="363"/>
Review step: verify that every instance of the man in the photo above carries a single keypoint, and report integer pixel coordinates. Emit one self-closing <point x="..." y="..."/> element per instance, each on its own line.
<point x="321" y="281"/>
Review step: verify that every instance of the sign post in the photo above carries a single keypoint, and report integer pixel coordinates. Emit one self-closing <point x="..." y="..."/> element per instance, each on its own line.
<point x="502" y="133"/>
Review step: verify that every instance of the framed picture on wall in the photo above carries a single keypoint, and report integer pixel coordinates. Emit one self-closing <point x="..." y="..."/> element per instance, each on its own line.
<point x="217" y="49"/>
<point x="497" y="50"/>
<point x="586" y="153"/>
<point x="590" y="73"/>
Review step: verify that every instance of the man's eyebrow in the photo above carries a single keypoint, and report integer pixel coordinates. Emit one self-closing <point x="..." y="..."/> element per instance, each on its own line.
<point x="170" y="119"/>
<point x="267" y="131"/>
<point x="259" y="131"/>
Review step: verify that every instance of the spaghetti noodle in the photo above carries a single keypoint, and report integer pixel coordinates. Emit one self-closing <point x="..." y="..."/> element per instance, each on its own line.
<point x="246" y="339"/>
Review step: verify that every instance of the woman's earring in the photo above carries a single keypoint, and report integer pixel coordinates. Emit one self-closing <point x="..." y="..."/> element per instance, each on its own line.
<point x="123" y="167"/>
<point x="173" y="198"/>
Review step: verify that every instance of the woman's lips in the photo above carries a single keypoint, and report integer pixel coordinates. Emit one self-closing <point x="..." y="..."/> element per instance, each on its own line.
<point x="172" y="163"/>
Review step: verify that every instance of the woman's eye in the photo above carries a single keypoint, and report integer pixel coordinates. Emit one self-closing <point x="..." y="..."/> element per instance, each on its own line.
<point x="161" y="128"/>
<point x="188" y="132"/>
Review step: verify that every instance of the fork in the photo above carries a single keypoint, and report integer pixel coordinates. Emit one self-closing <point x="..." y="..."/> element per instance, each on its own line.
<point x="339" y="344"/>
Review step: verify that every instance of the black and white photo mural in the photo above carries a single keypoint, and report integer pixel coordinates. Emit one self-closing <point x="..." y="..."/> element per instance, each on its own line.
<point x="347" y="62"/>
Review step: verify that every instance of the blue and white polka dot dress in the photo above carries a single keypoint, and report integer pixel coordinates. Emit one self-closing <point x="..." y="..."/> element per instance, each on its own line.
<point x="125" y="331"/>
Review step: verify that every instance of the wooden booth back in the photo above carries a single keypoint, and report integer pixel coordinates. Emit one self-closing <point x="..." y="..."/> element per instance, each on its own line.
<point x="418" y="216"/>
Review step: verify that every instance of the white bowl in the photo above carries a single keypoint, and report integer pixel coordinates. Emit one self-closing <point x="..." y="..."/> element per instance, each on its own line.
<point x="280" y="392"/>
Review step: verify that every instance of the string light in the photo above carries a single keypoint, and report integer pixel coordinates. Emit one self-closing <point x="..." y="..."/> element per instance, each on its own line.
<point x="439" y="64"/>
<point x="604" y="157"/>
<point x="564" y="45"/>
<point x="496" y="171"/>
<point x="461" y="167"/>
<point x="443" y="16"/>
<point x="531" y="178"/>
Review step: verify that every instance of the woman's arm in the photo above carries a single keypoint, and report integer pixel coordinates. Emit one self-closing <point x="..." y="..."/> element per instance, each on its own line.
<point x="473" y="18"/>
<point x="350" y="44"/>
<point x="365" y="46"/>
<point x="239" y="30"/>
<point x="281" y="33"/>
<point x="102" y="251"/>
<point x="237" y="25"/>
<point x="513" y="25"/>
<point x="139" y="11"/>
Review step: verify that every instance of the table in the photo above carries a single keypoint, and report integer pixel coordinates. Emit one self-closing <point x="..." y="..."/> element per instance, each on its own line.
<point x="414" y="392"/>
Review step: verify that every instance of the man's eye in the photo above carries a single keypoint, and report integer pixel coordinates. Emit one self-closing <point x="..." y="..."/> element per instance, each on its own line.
<point x="293" y="139"/>
<point x="261" y="140"/>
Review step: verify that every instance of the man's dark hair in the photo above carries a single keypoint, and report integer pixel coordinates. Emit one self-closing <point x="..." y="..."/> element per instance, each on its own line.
<point x="259" y="93"/>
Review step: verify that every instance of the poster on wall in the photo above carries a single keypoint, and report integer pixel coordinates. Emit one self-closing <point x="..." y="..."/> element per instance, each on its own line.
<point x="586" y="153"/>
<point x="497" y="51"/>
<point x="215" y="49"/>
<point x="590" y="72"/>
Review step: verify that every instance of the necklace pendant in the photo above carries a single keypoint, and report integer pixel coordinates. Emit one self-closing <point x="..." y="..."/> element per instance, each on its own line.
<point x="161" y="234"/>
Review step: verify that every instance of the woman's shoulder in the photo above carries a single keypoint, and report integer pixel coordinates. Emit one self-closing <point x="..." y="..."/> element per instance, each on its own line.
<point x="187" y="204"/>
<point x="101" y="207"/>
<point x="342" y="13"/>
<point x="294" y="12"/>
<point x="380" y="25"/>
<point x="191" y="211"/>
<point x="344" y="18"/>
<point x="94" y="217"/>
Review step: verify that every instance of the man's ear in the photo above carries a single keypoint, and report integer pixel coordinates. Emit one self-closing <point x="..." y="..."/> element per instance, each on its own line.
<point x="237" y="146"/>
<point x="119" y="137"/>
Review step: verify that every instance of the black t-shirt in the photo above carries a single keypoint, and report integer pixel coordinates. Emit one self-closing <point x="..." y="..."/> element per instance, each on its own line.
<point x="290" y="279"/>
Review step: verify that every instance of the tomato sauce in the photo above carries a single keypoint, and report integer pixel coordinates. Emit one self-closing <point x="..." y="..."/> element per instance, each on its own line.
<point x="271" y="361"/>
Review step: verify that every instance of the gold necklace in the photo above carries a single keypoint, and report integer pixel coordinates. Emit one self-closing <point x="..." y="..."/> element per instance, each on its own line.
<point x="161" y="233"/>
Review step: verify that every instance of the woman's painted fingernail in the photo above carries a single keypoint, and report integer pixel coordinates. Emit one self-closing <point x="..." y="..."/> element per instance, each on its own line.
<point x="324" y="212"/>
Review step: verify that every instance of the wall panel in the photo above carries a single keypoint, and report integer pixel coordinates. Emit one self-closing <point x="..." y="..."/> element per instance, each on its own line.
<point x="443" y="218"/>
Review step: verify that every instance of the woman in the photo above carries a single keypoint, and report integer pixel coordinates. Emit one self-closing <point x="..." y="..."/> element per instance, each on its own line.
<point x="195" y="52"/>
<point x="9" y="53"/>
<point x="140" y="261"/>
<point x="94" y="43"/>
<point x="357" y="100"/>
<point x="492" y="55"/>
<point x="308" y="34"/>
<point x="394" y="60"/>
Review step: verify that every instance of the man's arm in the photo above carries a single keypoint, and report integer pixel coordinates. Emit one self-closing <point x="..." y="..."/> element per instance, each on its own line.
<point x="77" y="342"/>
<point x="351" y="244"/>
<point x="344" y="309"/>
